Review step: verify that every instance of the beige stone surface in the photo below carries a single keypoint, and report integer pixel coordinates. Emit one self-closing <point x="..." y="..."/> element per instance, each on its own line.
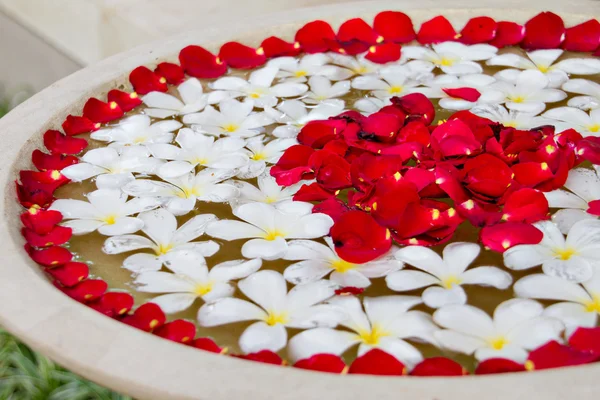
<point x="147" y="367"/>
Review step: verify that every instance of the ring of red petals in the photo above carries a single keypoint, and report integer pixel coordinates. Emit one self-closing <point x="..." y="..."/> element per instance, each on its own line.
<point x="340" y="164"/>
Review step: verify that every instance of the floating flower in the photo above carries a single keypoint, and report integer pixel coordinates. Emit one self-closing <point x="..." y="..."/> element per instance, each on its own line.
<point x="321" y="89"/>
<point x="268" y="226"/>
<point x="518" y="325"/>
<point x="107" y="210"/>
<point x="370" y="105"/>
<point x="163" y="238"/>
<point x="573" y="258"/>
<point x="452" y="57"/>
<point x="274" y="308"/>
<point x="590" y="90"/>
<point x="384" y="324"/>
<point x="293" y="115"/>
<point x="581" y="201"/>
<point x="162" y="105"/>
<point x="529" y="93"/>
<point x="581" y="303"/>
<point x="510" y="118"/>
<point x="234" y="118"/>
<point x="292" y="69"/>
<point x="268" y="191"/>
<point x="112" y="168"/>
<point x="349" y="66"/>
<point x="261" y="154"/>
<point x="179" y="195"/>
<point x="446" y="275"/>
<point x="198" y="149"/>
<point x="390" y="82"/>
<point x="259" y="87"/>
<point x="137" y="130"/>
<point x="462" y="92"/>
<point x="573" y="118"/>
<point x="191" y="279"/>
<point x="318" y="260"/>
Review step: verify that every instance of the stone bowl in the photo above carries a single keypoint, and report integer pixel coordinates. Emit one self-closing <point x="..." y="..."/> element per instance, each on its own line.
<point x="147" y="367"/>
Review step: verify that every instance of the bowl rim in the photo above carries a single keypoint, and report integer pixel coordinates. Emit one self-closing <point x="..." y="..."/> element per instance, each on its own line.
<point x="145" y="366"/>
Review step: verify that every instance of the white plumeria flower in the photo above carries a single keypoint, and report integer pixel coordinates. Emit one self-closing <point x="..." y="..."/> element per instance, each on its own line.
<point x="444" y="277"/>
<point x="512" y="118"/>
<point x="268" y="226"/>
<point x="574" y="259"/>
<point x="137" y="130"/>
<point x="191" y="279"/>
<point x="517" y="327"/>
<point x="317" y="260"/>
<point x="575" y="118"/>
<point x="234" y="118"/>
<point x="163" y="105"/>
<point x="539" y="60"/>
<point x="349" y="66"/>
<point x="384" y="324"/>
<point x="258" y="87"/>
<point x="390" y="82"/>
<point x="590" y="90"/>
<point x="371" y="105"/>
<point x="179" y="195"/>
<point x="107" y="210"/>
<point x="163" y="238"/>
<point x="268" y="191"/>
<point x="584" y="187"/>
<point x="273" y="308"/>
<point x="321" y="89"/>
<point x="581" y="303"/>
<point x="112" y="167"/>
<point x="452" y="57"/>
<point x="293" y="69"/>
<point x="261" y="154"/>
<point x="292" y="115"/>
<point x="529" y="93"/>
<point x="198" y="149"/>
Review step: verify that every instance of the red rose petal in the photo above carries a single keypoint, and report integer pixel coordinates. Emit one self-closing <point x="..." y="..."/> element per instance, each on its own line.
<point x="87" y="290"/>
<point x="586" y="340"/>
<point x="69" y="274"/>
<point x="58" y="143"/>
<point x="293" y="165"/>
<point x="531" y="174"/>
<point x="466" y="93"/>
<point x="384" y="53"/>
<point x="594" y="207"/>
<point x="36" y="198"/>
<point x="313" y="192"/>
<point x="237" y="55"/>
<point x="333" y="207"/>
<point x="487" y="177"/>
<point x="332" y="172"/>
<point x="355" y="36"/>
<point x="436" y="30"/>
<point x="454" y="139"/>
<point x="525" y="205"/>
<point x="554" y="355"/>
<point x="381" y="127"/>
<point x="498" y="366"/>
<point x="52" y="162"/>
<point x="358" y="238"/>
<point x="207" y="344"/>
<point x="113" y="304"/>
<point x="394" y="26"/>
<point x="416" y="107"/>
<point x="544" y="31"/>
<point x="126" y="101"/>
<point x="39" y="221"/>
<point x="276" y="47"/>
<point x="508" y="34"/>
<point x="263" y="356"/>
<point x="99" y="111"/>
<point x="588" y="149"/>
<point x="57" y="236"/>
<point x="171" y="72"/>
<point x="438" y="366"/>
<point x="179" y="331"/>
<point x="146" y="317"/>
<point x="377" y="362"/>
<point x="583" y="37"/>
<point x="317" y="134"/>
<point x="48" y="181"/>
<point x="74" y="125"/>
<point x="200" y="63"/>
<point x="49" y="257"/>
<point x="503" y="236"/>
<point x="323" y="363"/>
<point x="145" y="81"/>
<point x="315" y="36"/>
<point x="349" y="291"/>
<point x="479" y="30"/>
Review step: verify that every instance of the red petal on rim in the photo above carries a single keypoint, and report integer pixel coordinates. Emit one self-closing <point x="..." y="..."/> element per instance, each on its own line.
<point x="237" y="55"/>
<point x="358" y="238"/>
<point x="586" y="340"/>
<point x="554" y="355"/>
<point x="207" y="344"/>
<point x="57" y="236"/>
<point x="465" y="93"/>
<point x="41" y="221"/>
<point x="583" y="37"/>
<point x="58" y="143"/>
<point x="531" y="174"/>
<point x="394" y="26"/>
<point x="349" y="291"/>
<point x="479" y="30"/>
<point x="323" y="363"/>
<point x="315" y="37"/>
<point x="45" y="180"/>
<point x="416" y="106"/>
<point x="33" y="198"/>
<point x="313" y="192"/>
<point x="317" y="134"/>
<point x="263" y="356"/>
<point x="498" y="366"/>
<point x="145" y="81"/>
<point x="544" y="31"/>
<point x="75" y="125"/>
<point x="99" y="111"/>
<point x="146" y="317"/>
<point x="200" y="63"/>
<point x="49" y="257"/>
<point x="377" y="362"/>
<point x="293" y="165"/>
<point x="384" y="53"/>
<point x="438" y="366"/>
<point x="357" y="29"/>
<point x="52" y="162"/>
<point x="179" y="331"/>
<point x="126" y="101"/>
<point x="436" y="30"/>
<point x="333" y="207"/>
<point x="503" y="236"/>
<point x="87" y="291"/>
<point x="508" y="34"/>
<point x="69" y="274"/>
<point x="594" y="207"/>
<point x="171" y="72"/>
<point x="276" y="47"/>
<point x="525" y="205"/>
<point x="113" y="304"/>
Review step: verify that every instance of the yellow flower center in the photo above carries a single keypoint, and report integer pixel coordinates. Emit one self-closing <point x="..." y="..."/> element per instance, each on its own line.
<point x="203" y="288"/>
<point x="594" y="128"/>
<point x="163" y="249"/>
<point x="450" y="281"/>
<point x="543" y="68"/>
<point x="231" y="127"/>
<point x="187" y="192"/>
<point x="373" y="336"/>
<point x="517" y="99"/>
<point x="270" y="199"/>
<point x="446" y="62"/>
<point x="200" y="161"/>
<point x="498" y="343"/>
<point x="258" y="156"/>
<point x="140" y="139"/>
<point x="342" y="266"/>
<point x="564" y="254"/>
<point x="275" y="318"/>
<point x="110" y="219"/>
<point x="593" y="305"/>
<point x="300" y="73"/>
<point x="395" y="89"/>
<point x="361" y="70"/>
<point x="274" y="234"/>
